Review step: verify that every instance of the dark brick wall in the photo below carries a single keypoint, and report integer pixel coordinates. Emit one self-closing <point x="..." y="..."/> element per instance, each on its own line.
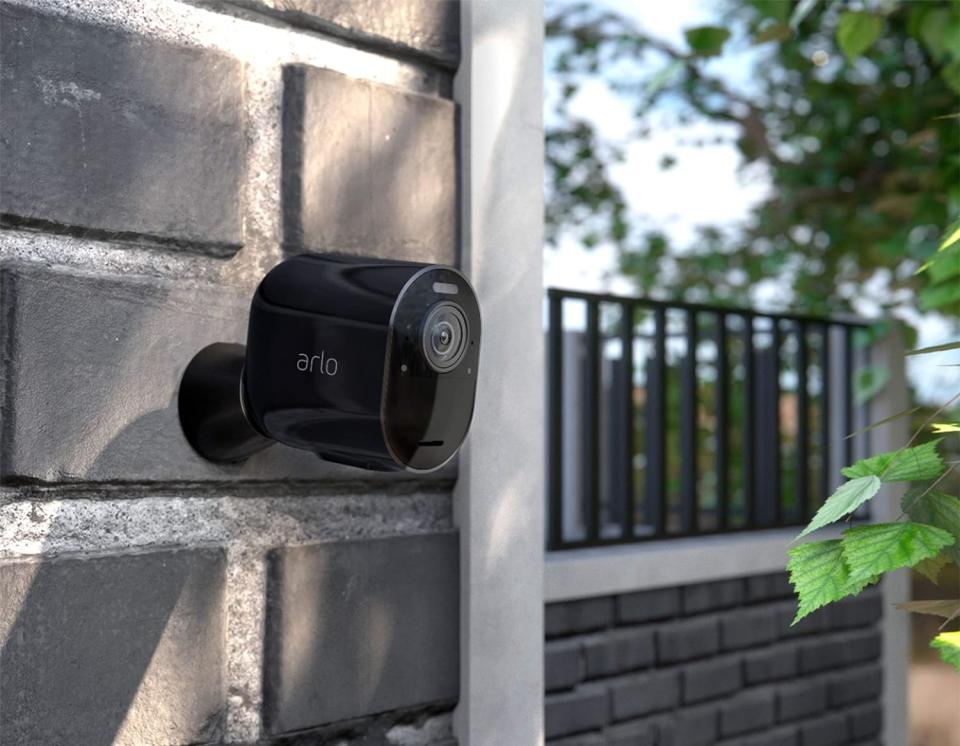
<point x="713" y="663"/>
<point x="156" y="159"/>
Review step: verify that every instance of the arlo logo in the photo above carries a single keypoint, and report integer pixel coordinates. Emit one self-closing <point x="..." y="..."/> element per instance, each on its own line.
<point x="326" y="365"/>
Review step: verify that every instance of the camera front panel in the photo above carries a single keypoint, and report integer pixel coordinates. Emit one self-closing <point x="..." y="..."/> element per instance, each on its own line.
<point x="430" y="378"/>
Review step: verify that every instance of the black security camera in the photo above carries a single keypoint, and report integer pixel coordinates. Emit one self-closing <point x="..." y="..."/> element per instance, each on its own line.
<point x="366" y="362"/>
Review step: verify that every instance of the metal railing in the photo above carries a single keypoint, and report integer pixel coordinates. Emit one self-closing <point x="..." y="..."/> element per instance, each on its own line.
<point x="670" y="419"/>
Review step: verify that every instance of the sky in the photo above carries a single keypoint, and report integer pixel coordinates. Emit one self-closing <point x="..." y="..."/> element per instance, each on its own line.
<point x="707" y="184"/>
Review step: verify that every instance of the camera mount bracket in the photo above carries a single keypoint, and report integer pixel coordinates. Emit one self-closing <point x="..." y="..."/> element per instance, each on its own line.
<point x="210" y="404"/>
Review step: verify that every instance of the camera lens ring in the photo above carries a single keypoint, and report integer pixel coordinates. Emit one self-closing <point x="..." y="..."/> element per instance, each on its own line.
<point x="444" y="336"/>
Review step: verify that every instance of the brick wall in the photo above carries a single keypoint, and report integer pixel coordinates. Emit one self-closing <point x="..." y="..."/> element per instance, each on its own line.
<point x="156" y="159"/>
<point x="713" y="663"/>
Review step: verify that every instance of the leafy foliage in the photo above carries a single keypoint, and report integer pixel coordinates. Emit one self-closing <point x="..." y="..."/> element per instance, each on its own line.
<point x="873" y="550"/>
<point x="946" y="608"/>
<point x="820" y="576"/>
<point x="707" y="41"/>
<point x="938" y="509"/>
<point x="847" y="498"/>
<point x="856" y="33"/>
<point x="938" y="428"/>
<point x="931" y="568"/>
<point x="846" y="112"/>
<point x="948" y="643"/>
<point x="905" y="465"/>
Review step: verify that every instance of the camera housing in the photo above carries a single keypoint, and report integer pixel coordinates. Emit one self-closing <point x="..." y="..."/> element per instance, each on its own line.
<point x="366" y="362"/>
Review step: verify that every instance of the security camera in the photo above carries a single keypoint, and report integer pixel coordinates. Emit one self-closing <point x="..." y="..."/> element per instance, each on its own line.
<point x="366" y="362"/>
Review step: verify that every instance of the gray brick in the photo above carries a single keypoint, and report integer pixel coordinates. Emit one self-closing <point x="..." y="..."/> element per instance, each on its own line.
<point x="109" y="133"/>
<point x="572" y="617"/>
<point x="746" y="713"/>
<point x="110" y="414"/>
<point x="711" y="679"/>
<point x="351" y="151"/>
<point x="861" y="647"/>
<point x="428" y="27"/>
<point x="95" y="641"/>
<point x="710" y="596"/>
<point x="816" y="622"/>
<point x="696" y="726"/>
<point x="584" y="709"/>
<point x="855" y="685"/>
<point x="648" y="606"/>
<point x="786" y="736"/>
<point x="821" y="654"/>
<point x="770" y="664"/>
<point x="583" y="739"/>
<point x="327" y="607"/>
<point x="801" y="699"/>
<point x="645" y="732"/>
<point x="829" y="730"/>
<point x="644" y="694"/>
<point x="748" y="628"/>
<point x="563" y="664"/>
<point x="865" y="721"/>
<point x="687" y="640"/>
<point x="768" y="587"/>
<point x="619" y="650"/>
<point x="861" y="611"/>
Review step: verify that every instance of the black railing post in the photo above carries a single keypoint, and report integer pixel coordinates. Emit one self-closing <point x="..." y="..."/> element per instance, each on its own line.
<point x="626" y="343"/>
<point x="688" y="430"/>
<point x="749" y="426"/>
<point x="826" y="415"/>
<point x="592" y="471"/>
<point x="803" y="425"/>
<point x="555" y="420"/>
<point x="776" y="442"/>
<point x="656" y="412"/>
<point x="722" y="398"/>
<point x="848" y="395"/>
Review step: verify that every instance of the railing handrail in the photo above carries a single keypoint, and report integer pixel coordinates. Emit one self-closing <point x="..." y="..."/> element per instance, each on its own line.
<point x="850" y="320"/>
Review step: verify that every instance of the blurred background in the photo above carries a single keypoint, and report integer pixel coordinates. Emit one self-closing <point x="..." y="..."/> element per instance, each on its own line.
<point x="770" y="155"/>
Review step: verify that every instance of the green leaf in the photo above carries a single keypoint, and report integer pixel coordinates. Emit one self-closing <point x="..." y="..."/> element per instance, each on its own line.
<point x="948" y="644"/>
<point x="946" y="609"/>
<point x="930" y="568"/>
<point x="939" y="296"/>
<point x="935" y="508"/>
<point x="856" y="32"/>
<point x="846" y="498"/>
<point x="873" y="550"/>
<point x="773" y="32"/>
<point x="820" y="576"/>
<point x="707" y="41"/>
<point x="943" y="265"/>
<point x="940" y="33"/>
<point x="954" y="237"/>
<point x="775" y="9"/>
<point x="945" y="427"/>
<point x="905" y="465"/>
<point x="935" y="348"/>
<point x="951" y="75"/>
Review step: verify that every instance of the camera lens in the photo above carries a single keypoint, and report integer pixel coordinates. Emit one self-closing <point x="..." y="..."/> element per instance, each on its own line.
<point x="444" y="336"/>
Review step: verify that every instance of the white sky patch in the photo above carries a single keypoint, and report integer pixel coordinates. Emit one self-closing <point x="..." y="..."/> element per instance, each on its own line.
<point x="706" y="185"/>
